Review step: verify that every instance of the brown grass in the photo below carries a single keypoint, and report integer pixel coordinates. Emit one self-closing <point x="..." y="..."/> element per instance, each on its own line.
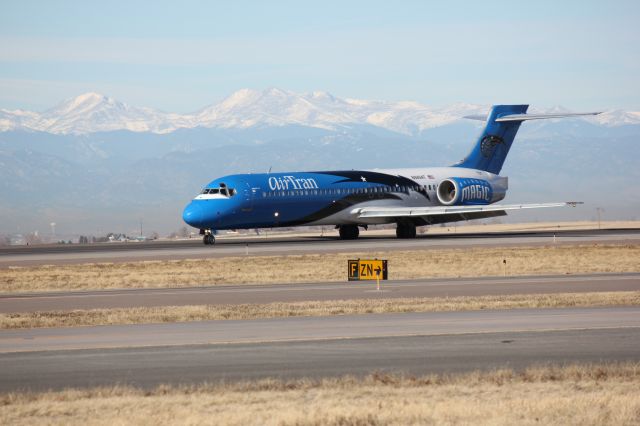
<point x="319" y="308"/>
<point x="323" y="267"/>
<point x="604" y="394"/>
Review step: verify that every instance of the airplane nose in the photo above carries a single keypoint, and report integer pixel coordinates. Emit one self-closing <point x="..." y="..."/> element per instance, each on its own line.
<point x="193" y="215"/>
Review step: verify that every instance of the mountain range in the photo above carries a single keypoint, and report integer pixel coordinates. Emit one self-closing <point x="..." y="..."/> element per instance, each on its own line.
<point x="246" y="108"/>
<point x="93" y="164"/>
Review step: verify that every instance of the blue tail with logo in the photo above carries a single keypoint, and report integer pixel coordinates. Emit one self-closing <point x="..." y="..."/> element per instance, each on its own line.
<point x="493" y="145"/>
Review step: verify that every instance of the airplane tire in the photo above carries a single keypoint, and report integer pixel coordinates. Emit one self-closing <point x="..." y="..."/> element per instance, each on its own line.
<point x="405" y="231"/>
<point x="349" y="232"/>
<point x="209" y="239"/>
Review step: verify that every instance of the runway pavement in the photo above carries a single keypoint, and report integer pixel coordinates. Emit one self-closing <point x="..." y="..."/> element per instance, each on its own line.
<point x="315" y="328"/>
<point x="260" y="246"/>
<point x="146" y="355"/>
<point x="238" y="294"/>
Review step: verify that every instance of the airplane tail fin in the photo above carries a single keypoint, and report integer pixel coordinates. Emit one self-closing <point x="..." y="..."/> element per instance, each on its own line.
<point x="494" y="142"/>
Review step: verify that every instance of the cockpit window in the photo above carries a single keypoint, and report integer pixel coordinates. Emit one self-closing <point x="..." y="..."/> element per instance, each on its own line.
<point x="210" y="191"/>
<point x="223" y="189"/>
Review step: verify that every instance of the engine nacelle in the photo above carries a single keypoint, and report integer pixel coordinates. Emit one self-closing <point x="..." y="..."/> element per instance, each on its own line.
<point x="467" y="191"/>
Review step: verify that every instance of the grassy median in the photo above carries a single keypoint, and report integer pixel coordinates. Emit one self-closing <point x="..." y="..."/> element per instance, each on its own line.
<point x="319" y="308"/>
<point x="427" y="263"/>
<point x="600" y="394"/>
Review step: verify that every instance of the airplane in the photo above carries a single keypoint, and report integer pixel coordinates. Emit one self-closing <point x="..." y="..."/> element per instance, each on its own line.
<point x="354" y="199"/>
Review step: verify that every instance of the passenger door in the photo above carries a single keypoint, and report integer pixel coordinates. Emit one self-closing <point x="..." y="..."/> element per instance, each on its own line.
<point x="250" y="194"/>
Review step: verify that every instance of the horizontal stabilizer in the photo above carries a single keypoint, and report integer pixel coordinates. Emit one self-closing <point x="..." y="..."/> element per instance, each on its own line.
<point x="393" y="212"/>
<point x="479" y="117"/>
<point x="525" y="117"/>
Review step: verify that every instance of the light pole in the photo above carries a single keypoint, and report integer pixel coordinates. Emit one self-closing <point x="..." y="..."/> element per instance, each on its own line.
<point x="53" y="229"/>
<point x="599" y="210"/>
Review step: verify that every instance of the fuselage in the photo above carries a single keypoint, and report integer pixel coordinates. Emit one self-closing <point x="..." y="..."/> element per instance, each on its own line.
<point x="330" y="197"/>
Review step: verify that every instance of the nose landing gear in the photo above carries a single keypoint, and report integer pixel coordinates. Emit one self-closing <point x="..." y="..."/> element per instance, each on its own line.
<point x="208" y="238"/>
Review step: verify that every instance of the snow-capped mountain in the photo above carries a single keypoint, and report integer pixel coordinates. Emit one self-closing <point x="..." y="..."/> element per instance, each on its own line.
<point x="617" y="118"/>
<point x="275" y="107"/>
<point x="12" y="120"/>
<point x="246" y="108"/>
<point x="93" y="112"/>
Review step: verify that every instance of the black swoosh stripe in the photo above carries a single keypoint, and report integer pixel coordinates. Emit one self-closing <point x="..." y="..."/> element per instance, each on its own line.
<point x="339" y="205"/>
<point x="375" y="177"/>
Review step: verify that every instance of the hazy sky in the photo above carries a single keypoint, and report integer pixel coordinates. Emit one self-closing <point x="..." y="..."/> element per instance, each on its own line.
<point x="182" y="55"/>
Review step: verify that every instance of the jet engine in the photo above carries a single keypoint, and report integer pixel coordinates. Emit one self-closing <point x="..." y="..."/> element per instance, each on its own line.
<point x="456" y="191"/>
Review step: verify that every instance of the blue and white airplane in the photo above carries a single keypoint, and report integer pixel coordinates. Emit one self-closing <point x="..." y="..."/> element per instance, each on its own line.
<point x="351" y="199"/>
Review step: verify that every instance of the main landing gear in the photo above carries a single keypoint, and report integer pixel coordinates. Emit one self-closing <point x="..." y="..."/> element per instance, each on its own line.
<point x="349" y="232"/>
<point x="406" y="230"/>
<point x="208" y="238"/>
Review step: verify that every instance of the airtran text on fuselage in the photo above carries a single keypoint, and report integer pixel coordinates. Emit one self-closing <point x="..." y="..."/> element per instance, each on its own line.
<point x="291" y="182"/>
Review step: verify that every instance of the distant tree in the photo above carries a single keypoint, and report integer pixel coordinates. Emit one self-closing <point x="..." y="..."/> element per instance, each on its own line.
<point x="184" y="232"/>
<point x="154" y="235"/>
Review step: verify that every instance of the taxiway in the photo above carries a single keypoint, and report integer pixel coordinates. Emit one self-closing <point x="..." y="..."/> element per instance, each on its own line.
<point x="260" y="246"/>
<point x="415" y="343"/>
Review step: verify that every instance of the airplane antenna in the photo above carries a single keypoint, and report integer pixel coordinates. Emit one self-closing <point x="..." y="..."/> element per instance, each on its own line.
<point x="269" y="172"/>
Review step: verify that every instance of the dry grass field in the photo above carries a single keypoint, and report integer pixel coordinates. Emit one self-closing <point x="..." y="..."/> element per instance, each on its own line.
<point x="575" y="394"/>
<point x="565" y="259"/>
<point x="318" y="308"/>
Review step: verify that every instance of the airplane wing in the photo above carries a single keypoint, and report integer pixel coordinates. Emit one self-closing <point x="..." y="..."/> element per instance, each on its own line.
<point x="479" y="211"/>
